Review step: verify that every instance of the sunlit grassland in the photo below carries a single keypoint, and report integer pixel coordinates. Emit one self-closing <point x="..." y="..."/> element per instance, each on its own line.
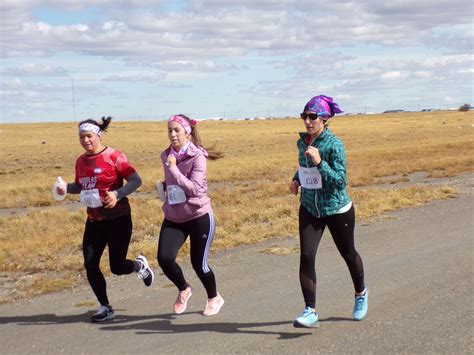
<point x="380" y="145"/>
<point x="249" y="186"/>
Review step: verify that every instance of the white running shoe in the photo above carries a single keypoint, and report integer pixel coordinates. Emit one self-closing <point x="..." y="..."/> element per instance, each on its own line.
<point x="182" y="300"/>
<point x="145" y="273"/>
<point x="213" y="305"/>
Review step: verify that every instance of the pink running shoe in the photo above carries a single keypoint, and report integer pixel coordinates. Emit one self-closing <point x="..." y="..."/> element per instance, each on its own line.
<point x="182" y="300"/>
<point x="213" y="305"/>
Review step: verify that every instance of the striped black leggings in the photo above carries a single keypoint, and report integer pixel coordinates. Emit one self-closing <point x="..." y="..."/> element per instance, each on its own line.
<point x="172" y="237"/>
<point x="311" y="230"/>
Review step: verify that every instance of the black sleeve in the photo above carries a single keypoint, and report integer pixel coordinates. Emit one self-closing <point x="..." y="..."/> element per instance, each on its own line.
<point x="133" y="183"/>
<point x="74" y="188"/>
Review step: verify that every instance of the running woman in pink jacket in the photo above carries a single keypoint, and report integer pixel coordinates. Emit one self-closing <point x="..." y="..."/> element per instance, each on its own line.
<point x="188" y="212"/>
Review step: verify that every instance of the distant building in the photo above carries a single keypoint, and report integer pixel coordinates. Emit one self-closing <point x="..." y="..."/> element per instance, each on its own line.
<point x="393" y="111"/>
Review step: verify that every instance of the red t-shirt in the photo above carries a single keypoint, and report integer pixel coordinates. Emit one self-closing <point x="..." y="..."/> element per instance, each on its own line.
<point x="104" y="171"/>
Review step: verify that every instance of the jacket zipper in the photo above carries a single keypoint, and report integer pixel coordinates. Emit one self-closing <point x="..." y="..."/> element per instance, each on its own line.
<point x="315" y="191"/>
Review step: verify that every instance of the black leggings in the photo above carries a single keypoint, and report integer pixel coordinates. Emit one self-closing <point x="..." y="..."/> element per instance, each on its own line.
<point x="172" y="237"/>
<point x="116" y="234"/>
<point x="311" y="230"/>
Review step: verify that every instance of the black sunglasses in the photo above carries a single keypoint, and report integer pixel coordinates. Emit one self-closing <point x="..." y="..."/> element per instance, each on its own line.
<point x="311" y="116"/>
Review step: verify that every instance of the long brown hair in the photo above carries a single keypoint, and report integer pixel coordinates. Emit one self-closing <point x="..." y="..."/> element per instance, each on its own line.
<point x="213" y="153"/>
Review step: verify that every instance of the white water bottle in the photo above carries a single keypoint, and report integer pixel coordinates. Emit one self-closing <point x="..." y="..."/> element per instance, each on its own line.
<point x="59" y="183"/>
<point x="161" y="190"/>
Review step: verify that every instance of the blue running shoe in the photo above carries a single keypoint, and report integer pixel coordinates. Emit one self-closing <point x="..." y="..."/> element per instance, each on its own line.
<point x="307" y="319"/>
<point x="361" y="305"/>
<point x="103" y="313"/>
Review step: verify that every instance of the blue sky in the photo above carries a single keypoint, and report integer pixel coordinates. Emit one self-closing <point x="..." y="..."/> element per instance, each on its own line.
<point x="141" y="59"/>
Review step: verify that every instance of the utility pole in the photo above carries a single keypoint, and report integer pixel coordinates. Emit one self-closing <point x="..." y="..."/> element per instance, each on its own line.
<point x="73" y="99"/>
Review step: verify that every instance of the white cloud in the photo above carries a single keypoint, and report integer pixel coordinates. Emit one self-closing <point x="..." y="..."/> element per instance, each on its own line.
<point x="147" y="77"/>
<point x="218" y="31"/>
<point x="204" y="66"/>
<point x="449" y="60"/>
<point x="316" y="65"/>
<point x="114" y="26"/>
<point x="35" y="105"/>
<point x="35" y="69"/>
<point x="256" y="49"/>
<point x="392" y="75"/>
<point x="423" y="74"/>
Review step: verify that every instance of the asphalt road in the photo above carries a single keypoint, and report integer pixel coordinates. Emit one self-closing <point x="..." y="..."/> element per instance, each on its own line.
<point x="419" y="269"/>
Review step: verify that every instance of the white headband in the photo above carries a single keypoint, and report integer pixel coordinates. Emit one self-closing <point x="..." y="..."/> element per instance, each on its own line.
<point x="89" y="127"/>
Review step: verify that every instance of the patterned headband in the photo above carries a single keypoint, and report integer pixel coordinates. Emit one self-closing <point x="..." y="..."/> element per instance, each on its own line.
<point x="187" y="124"/>
<point x="90" y="127"/>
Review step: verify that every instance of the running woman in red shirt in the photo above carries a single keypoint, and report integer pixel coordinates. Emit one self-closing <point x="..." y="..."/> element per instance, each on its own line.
<point x="100" y="172"/>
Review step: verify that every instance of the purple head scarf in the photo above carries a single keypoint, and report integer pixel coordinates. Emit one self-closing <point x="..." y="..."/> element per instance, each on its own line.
<point x="324" y="106"/>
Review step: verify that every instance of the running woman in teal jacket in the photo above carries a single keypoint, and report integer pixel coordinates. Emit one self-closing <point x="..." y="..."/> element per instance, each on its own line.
<point x="321" y="178"/>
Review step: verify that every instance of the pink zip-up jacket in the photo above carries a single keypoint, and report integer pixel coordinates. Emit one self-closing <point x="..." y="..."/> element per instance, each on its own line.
<point x="190" y="174"/>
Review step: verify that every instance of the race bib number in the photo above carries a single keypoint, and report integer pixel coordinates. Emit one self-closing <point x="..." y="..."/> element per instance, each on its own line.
<point x="91" y="198"/>
<point x="310" y="178"/>
<point x="175" y="194"/>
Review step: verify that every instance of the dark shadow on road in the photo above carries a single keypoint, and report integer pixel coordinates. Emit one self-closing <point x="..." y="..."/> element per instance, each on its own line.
<point x="41" y="319"/>
<point x="157" y="324"/>
<point x="48" y="319"/>
<point x="166" y="326"/>
<point x="337" y="319"/>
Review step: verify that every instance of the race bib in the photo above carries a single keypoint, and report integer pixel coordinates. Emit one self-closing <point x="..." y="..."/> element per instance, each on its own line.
<point x="310" y="178"/>
<point x="91" y="198"/>
<point x="175" y="194"/>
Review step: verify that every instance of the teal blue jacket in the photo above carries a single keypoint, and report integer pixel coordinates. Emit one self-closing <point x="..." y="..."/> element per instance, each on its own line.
<point x="333" y="195"/>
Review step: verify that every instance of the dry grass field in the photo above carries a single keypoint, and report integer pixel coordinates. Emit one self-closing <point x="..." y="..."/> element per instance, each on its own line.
<point x="40" y="250"/>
